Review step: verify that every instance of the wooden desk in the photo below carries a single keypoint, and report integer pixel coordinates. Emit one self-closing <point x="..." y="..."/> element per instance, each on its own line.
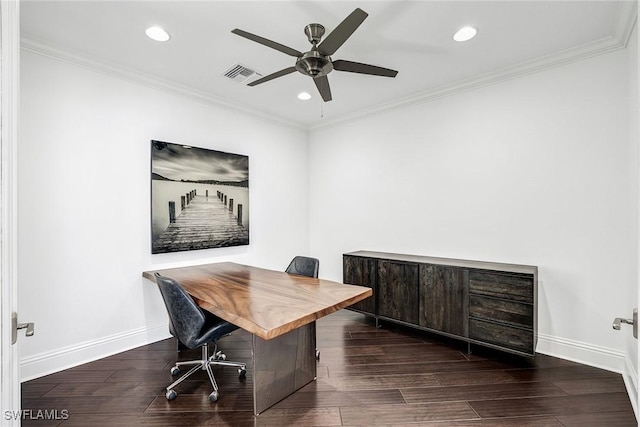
<point x="279" y="309"/>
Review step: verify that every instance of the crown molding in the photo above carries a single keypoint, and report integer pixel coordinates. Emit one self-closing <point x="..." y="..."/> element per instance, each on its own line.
<point x="620" y="35"/>
<point x="83" y="60"/>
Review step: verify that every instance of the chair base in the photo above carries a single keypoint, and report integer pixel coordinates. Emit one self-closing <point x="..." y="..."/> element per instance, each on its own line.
<point x="205" y="363"/>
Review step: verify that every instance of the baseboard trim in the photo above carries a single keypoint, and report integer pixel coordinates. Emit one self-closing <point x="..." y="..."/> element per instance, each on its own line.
<point x="576" y="351"/>
<point x="630" y="376"/>
<point x="596" y="356"/>
<point x="64" y="358"/>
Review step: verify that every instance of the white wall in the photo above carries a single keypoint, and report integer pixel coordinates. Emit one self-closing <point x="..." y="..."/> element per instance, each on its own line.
<point x="534" y="170"/>
<point x="84" y="205"/>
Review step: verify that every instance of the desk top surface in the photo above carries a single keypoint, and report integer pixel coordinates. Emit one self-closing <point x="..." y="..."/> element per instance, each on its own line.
<point x="264" y="302"/>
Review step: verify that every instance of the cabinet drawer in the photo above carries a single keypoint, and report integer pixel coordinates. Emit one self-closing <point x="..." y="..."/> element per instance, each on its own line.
<point x="499" y="310"/>
<point x="516" y="288"/>
<point x="502" y="335"/>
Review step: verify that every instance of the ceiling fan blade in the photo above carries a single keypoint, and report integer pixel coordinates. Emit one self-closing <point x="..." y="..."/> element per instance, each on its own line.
<point x="273" y="76"/>
<point x="356" y="67"/>
<point x="342" y="32"/>
<point x="322" y="83"/>
<point x="269" y="43"/>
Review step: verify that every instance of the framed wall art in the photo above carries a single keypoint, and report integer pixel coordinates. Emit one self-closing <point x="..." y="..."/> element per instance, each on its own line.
<point x="199" y="198"/>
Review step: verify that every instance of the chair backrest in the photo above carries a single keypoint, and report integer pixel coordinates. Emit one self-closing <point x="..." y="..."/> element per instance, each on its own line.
<point x="185" y="317"/>
<point x="304" y="266"/>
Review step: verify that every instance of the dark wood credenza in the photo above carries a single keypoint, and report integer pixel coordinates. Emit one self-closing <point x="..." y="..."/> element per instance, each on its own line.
<point x="485" y="303"/>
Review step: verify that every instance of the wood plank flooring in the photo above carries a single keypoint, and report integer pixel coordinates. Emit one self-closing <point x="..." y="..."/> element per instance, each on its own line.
<point x="366" y="376"/>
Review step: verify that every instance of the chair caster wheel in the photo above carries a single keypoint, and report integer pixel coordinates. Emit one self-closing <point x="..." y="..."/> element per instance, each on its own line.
<point x="213" y="397"/>
<point x="175" y="371"/>
<point x="220" y="356"/>
<point x="242" y="373"/>
<point x="171" y="394"/>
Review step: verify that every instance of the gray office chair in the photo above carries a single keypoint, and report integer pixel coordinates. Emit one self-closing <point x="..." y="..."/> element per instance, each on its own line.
<point x="305" y="266"/>
<point x="194" y="327"/>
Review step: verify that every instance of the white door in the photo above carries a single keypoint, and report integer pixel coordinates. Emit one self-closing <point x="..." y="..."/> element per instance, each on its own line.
<point x="9" y="85"/>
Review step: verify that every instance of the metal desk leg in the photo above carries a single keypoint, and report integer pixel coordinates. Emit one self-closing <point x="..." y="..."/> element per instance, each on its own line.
<point x="282" y="365"/>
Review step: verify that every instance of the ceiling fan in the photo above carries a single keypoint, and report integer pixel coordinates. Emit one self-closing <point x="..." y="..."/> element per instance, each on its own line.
<point x="317" y="62"/>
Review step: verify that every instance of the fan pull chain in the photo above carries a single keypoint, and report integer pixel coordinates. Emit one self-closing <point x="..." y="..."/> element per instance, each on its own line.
<point x="321" y="109"/>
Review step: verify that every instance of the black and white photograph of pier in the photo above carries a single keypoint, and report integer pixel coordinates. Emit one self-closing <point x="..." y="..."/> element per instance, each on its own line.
<point x="199" y="198"/>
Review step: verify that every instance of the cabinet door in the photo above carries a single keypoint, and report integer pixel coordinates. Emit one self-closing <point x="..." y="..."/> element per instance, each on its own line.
<point x="398" y="290"/>
<point x="361" y="271"/>
<point x="444" y="295"/>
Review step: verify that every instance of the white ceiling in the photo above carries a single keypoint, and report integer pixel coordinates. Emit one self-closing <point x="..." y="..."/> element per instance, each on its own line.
<point x="413" y="37"/>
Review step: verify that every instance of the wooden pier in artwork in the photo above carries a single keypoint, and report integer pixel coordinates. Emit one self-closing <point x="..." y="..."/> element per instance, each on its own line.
<point x="202" y="222"/>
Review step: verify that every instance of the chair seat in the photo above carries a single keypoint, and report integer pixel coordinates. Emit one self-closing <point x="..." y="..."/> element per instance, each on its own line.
<point x="212" y="330"/>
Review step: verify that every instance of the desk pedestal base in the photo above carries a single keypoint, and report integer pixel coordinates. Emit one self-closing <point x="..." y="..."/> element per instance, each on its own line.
<point x="282" y="365"/>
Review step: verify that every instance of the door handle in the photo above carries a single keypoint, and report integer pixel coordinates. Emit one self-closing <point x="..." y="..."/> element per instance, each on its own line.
<point x="30" y="328"/>
<point x="617" y="323"/>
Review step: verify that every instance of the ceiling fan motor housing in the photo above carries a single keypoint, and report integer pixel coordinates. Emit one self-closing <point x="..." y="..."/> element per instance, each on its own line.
<point x="314" y="64"/>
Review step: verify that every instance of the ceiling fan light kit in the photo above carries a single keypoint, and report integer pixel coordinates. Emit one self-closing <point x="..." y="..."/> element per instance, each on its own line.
<point x="317" y="62"/>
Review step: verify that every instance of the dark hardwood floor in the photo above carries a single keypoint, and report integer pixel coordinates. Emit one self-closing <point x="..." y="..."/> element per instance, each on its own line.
<point x="366" y="376"/>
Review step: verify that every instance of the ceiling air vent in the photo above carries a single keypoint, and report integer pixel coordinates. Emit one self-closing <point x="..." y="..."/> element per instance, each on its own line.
<point x="240" y="73"/>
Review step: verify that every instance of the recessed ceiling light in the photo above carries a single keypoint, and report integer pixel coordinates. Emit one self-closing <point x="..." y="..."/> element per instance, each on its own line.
<point x="464" y="34"/>
<point x="304" y="96"/>
<point x="157" y="34"/>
